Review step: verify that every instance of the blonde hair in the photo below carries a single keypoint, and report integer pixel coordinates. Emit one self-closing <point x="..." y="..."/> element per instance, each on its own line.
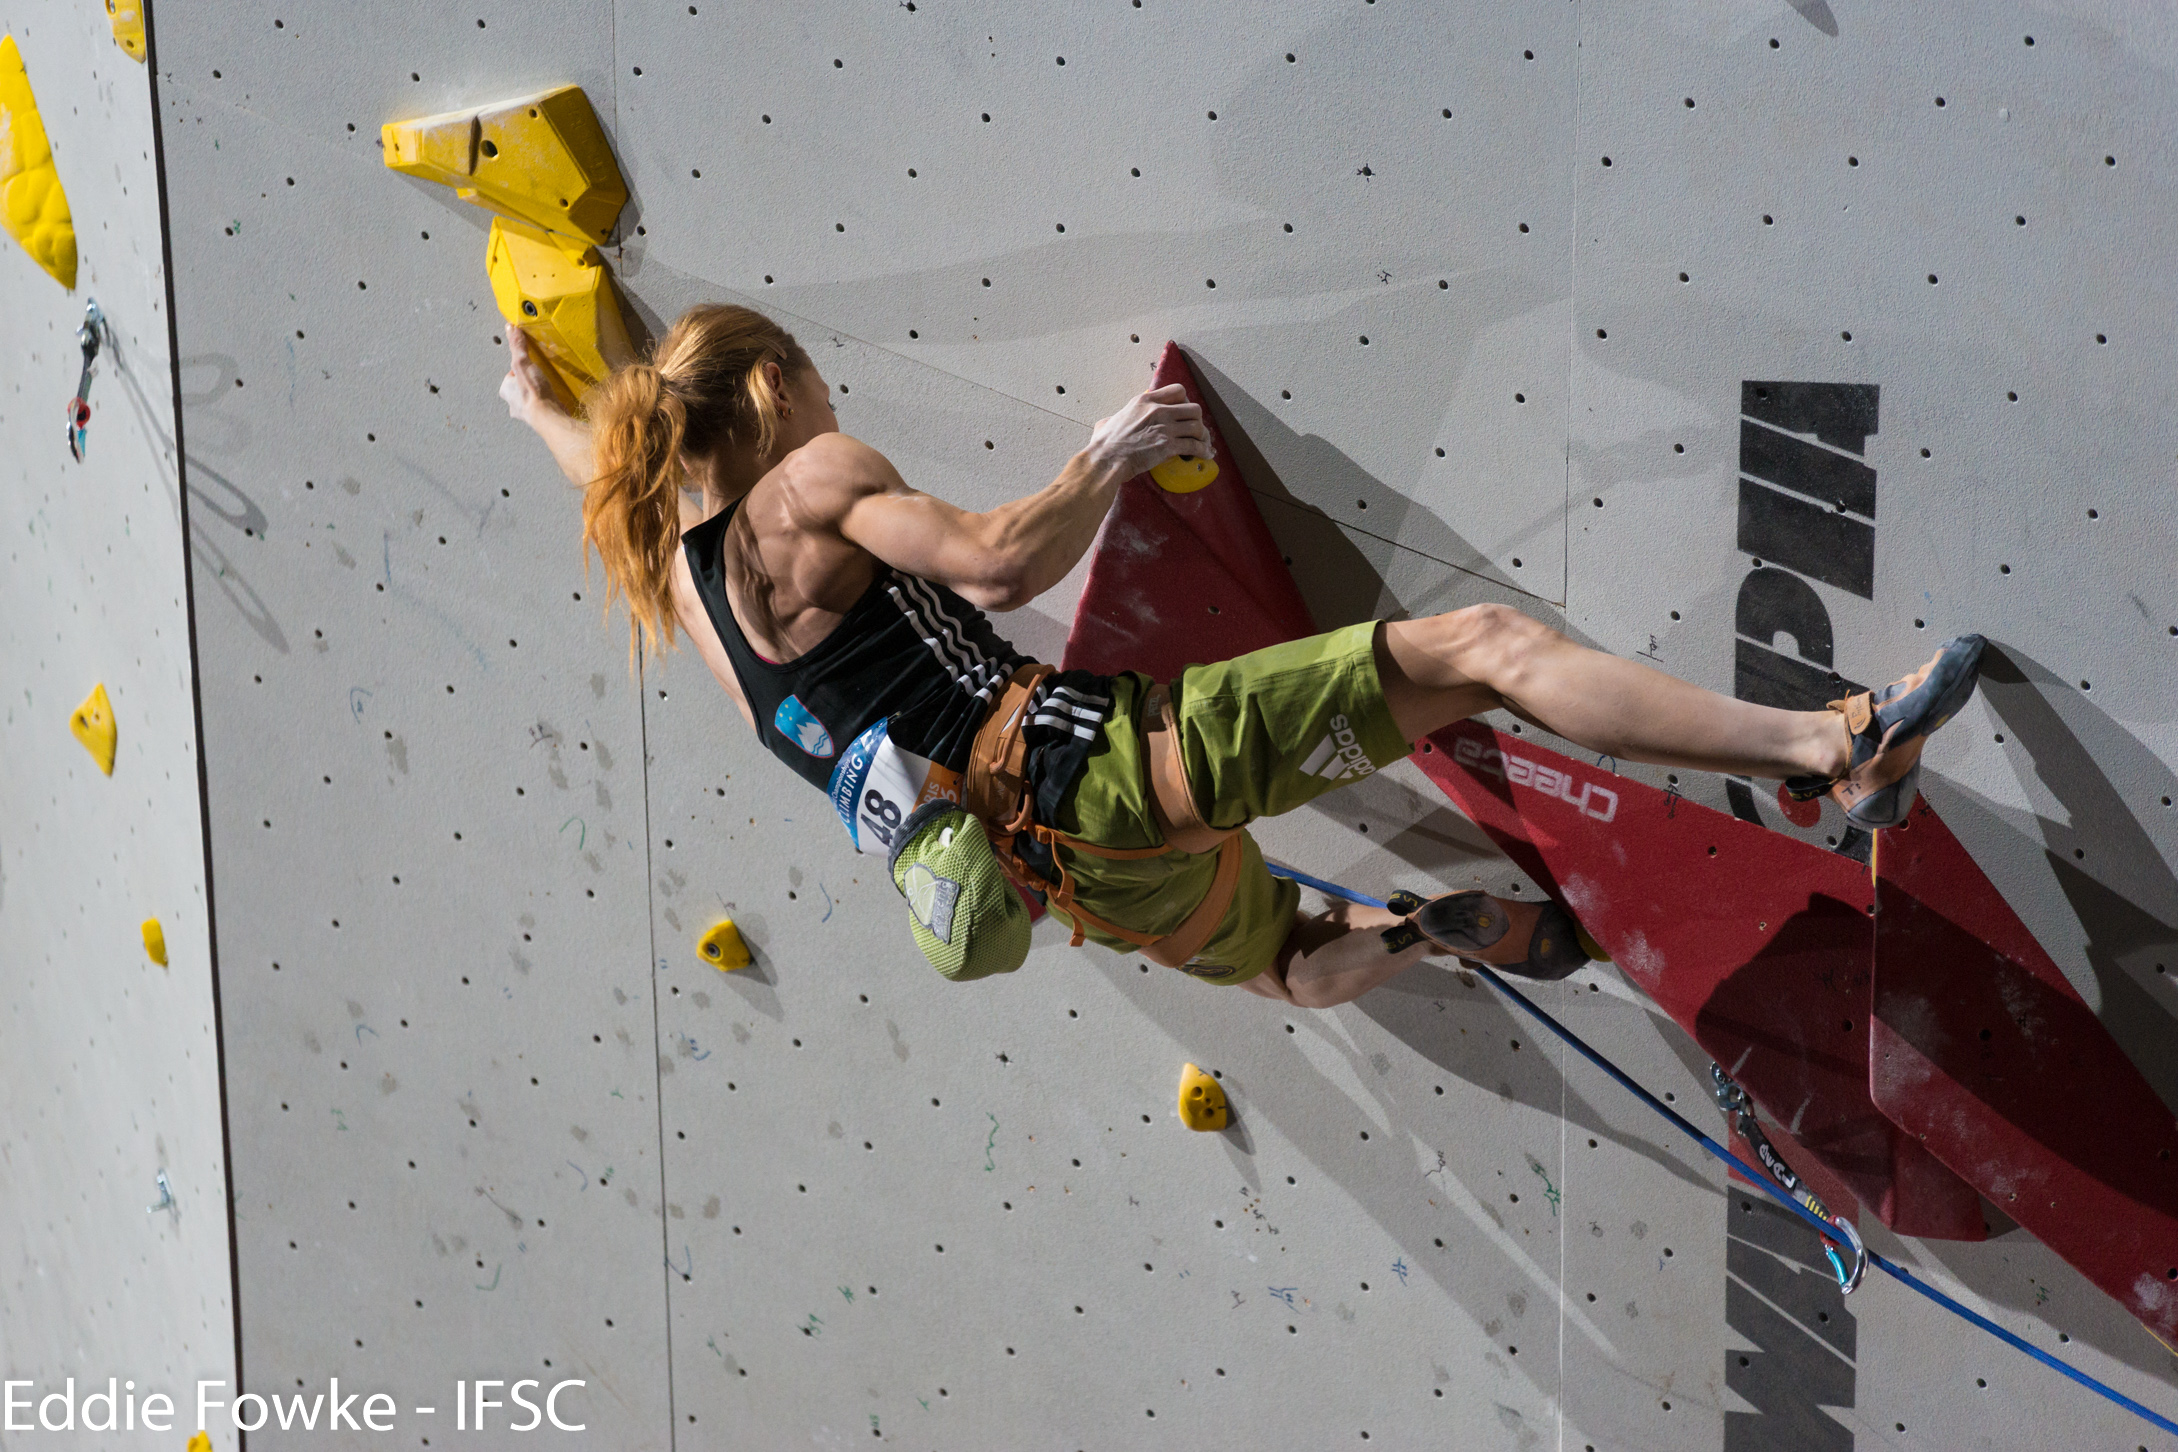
<point x="701" y="392"/>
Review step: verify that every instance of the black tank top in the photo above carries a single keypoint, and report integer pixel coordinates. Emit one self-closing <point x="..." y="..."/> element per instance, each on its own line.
<point x="883" y="712"/>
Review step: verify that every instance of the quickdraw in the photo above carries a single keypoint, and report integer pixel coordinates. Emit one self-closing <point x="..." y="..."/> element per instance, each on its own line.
<point x="89" y="336"/>
<point x="1739" y="1109"/>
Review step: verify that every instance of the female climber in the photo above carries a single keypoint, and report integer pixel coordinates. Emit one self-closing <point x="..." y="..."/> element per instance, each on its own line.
<point x="843" y="612"/>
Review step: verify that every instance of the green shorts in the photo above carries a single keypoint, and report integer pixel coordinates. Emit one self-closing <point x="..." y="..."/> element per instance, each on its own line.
<point x="1262" y="734"/>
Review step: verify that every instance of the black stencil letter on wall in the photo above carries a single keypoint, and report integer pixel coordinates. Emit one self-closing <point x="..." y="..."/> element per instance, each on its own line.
<point x="1801" y="535"/>
<point x="1769" y="679"/>
<point x="1807" y="468"/>
<point x="1773" y="603"/>
<point x="1805" y="1340"/>
<point x="1842" y="415"/>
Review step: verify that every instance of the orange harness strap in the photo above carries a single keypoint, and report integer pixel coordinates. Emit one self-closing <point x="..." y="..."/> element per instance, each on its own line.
<point x="994" y="790"/>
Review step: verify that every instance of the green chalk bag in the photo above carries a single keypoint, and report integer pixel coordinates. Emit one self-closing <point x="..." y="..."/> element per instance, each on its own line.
<point x="963" y="913"/>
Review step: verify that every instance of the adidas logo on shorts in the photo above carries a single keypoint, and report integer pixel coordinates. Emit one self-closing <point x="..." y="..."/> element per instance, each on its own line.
<point x="1339" y="755"/>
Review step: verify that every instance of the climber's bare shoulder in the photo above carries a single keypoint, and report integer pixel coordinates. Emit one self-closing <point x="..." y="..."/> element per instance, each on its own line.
<point x="815" y="489"/>
<point x="786" y="543"/>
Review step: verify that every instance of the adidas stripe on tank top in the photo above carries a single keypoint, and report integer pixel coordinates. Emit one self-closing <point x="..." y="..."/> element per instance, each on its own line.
<point x="882" y="713"/>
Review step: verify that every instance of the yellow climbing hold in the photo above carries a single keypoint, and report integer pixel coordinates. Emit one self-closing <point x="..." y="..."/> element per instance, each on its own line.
<point x="92" y="724"/>
<point x="556" y="289"/>
<point x="543" y="158"/>
<point x="128" y="26"/>
<point x="1202" y="1102"/>
<point x="1184" y="475"/>
<point x="199" y="1443"/>
<point x="722" y="947"/>
<point x="32" y="205"/>
<point x="155" y="942"/>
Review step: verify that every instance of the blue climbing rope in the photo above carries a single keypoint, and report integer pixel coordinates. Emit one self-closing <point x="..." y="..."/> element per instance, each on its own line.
<point x="1762" y="1181"/>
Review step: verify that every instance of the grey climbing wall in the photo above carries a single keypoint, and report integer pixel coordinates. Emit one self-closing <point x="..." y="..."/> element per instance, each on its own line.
<point x="425" y="759"/>
<point x="109" y="1063"/>
<point x="1481" y="295"/>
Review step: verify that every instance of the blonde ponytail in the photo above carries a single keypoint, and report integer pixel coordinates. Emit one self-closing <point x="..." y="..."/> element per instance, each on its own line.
<point x="702" y="393"/>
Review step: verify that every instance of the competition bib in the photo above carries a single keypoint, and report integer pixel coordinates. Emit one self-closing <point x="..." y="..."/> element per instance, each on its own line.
<point x="877" y="784"/>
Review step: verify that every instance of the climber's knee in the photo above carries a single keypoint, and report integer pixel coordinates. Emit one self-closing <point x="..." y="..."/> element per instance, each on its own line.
<point x="1443" y="668"/>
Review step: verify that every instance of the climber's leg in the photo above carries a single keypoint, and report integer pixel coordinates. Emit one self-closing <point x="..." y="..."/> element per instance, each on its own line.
<point x="1447" y="667"/>
<point x="1339" y="955"/>
<point x="1335" y="957"/>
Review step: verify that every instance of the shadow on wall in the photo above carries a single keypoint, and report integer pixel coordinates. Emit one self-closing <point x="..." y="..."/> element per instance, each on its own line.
<point x="2103" y="860"/>
<point x="1478" y="1238"/>
<point x="1341" y="583"/>
<point x="1817" y="14"/>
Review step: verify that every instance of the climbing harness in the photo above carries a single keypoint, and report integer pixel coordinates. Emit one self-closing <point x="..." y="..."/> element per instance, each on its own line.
<point x="89" y="336"/>
<point x="995" y="789"/>
<point x="1823" y="1226"/>
<point x="1739" y="1109"/>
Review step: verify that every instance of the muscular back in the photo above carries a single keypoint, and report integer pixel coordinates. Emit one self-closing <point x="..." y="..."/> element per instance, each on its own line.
<point x="791" y="574"/>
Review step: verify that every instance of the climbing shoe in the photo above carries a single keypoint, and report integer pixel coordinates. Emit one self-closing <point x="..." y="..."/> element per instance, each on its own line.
<point x="1534" y="940"/>
<point x="1888" y="729"/>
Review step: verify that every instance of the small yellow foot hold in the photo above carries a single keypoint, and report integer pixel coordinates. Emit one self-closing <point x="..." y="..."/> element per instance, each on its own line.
<point x="92" y="724"/>
<point x="542" y="158"/>
<point x="1184" y="475"/>
<point x="555" y="288"/>
<point x="722" y="947"/>
<point x="199" y="1443"/>
<point x="33" y="207"/>
<point x="1202" y="1101"/>
<point x="154" y="941"/>
<point x="127" y="17"/>
<point x="1590" y="946"/>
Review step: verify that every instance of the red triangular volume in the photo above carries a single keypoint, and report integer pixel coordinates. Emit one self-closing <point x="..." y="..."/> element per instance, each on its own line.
<point x="1984" y="1051"/>
<point x="1181" y="578"/>
<point x="1756" y="943"/>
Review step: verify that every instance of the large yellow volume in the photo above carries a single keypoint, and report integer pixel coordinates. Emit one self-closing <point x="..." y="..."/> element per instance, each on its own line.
<point x="542" y="158"/>
<point x="128" y="26"/>
<point x="556" y="290"/>
<point x="32" y="205"/>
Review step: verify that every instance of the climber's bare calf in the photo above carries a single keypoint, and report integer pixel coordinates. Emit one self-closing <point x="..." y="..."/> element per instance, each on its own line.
<point x="1446" y="668"/>
<point x="1488" y="657"/>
